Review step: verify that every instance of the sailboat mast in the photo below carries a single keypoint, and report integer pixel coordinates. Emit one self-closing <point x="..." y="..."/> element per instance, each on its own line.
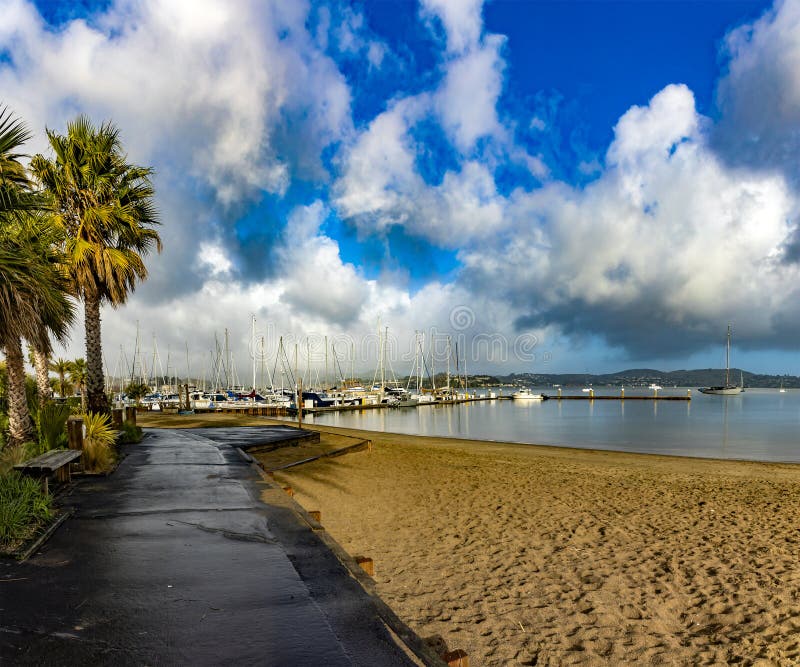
<point x="728" y="358"/>
<point x="136" y="353"/>
<point x="253" y="348"/>
<point x="383" y="361"/>
<point x="448" y="364"/>
<point x="420" y="369"/>
<point x="227" y="361"/>
<point x="466" y="384"/>
<point x="307" y="375"/>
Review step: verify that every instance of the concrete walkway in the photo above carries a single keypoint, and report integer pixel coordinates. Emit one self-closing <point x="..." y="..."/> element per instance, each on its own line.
<point x="174" y="559"/>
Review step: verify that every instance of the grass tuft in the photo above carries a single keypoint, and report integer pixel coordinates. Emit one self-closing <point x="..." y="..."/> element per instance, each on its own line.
<point x="131" y="433"/>
<point x="24" y="506"/>
<point x="10" y="456"/>
<point x="98" y="441"/>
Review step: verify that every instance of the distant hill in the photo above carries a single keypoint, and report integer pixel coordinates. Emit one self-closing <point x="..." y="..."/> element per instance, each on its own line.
<point x="633" y="377"/>
<point x="702" y="377"/>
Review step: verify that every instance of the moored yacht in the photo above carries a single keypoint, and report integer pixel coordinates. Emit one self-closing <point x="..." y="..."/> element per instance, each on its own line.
<point x="527" y="395"/>
<point x="727" y="389"/>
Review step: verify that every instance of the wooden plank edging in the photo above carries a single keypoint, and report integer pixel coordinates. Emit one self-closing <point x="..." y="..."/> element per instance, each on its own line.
<point x="357" y="447"/>
<point x="410" y="639"/>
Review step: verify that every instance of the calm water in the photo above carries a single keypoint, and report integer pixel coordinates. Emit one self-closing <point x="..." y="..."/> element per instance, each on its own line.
<point x="761" y="424"/>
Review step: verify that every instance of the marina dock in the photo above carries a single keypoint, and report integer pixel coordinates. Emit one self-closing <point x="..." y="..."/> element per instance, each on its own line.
<point x="378" y="406"/>
<point x="282" y="411"/>
<point x="587" y="397"/>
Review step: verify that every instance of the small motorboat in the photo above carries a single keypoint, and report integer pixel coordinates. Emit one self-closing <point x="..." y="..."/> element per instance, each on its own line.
<point x="527" y="395"/>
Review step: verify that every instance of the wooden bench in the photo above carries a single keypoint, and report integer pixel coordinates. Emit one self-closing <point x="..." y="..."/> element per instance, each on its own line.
<point x="55" y="461"/>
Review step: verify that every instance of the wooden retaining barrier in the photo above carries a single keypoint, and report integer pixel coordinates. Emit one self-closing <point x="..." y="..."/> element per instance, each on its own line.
<point x="361" y="446"/>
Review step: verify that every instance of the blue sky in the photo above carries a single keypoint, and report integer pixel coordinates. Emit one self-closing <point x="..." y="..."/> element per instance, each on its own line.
<point x="606" y="183"/>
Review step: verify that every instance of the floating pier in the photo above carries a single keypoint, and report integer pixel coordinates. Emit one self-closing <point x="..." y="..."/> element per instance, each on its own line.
<point x="282" y="411"/>
<point x="619" y="398"/>
<point x="379" y="406"/>
<point x="590" y="396"/>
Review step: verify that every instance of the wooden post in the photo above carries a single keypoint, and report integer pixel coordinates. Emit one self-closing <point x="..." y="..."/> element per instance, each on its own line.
<point x="457" y="658"/>
<point x="130" y="414"/>
<point x="116" y="418"/>
<point x="75" y="433"/>
<point x="366" y="564"/>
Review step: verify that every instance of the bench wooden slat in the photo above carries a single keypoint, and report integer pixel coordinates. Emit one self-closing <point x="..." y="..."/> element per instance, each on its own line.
<point x="50" y="461"/>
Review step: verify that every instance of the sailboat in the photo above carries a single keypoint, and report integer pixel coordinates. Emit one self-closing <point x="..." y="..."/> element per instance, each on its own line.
<point x="727" y="389"/>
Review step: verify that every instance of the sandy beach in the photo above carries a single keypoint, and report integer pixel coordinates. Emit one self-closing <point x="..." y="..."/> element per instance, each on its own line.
<point x="526" y="555"/>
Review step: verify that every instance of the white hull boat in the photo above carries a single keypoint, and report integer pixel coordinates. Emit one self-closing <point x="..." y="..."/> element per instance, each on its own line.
<point x="728" y="389"/>
<point x="526" y="395"/>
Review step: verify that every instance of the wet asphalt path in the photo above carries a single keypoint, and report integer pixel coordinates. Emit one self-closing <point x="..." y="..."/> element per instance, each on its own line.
<point x="175" y="560"/>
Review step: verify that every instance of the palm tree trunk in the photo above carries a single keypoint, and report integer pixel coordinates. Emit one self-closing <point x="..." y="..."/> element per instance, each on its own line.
<point x="97" y="401"/>
<point x="20" y="426"/>
<point x="42" y="365"/>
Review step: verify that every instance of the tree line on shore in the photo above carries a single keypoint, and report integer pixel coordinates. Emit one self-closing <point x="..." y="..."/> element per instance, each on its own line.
<point x="75" y="227"/>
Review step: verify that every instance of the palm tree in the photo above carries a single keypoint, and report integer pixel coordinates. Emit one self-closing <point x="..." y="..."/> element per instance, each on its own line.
<point x="105" y="207"/>
<point x="31" y="299"/>
<point x="32" y="296"/>
<point x="77" y="377"/>
<point x="39" y="225"/>
<point x="136" y="391"/>
<point x="15" y="192"/>
<point x="61" y="367"/>
<point x="38" y="357"/>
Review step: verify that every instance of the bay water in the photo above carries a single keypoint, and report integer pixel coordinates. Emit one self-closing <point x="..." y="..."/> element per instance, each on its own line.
<point x="758" y="425"/>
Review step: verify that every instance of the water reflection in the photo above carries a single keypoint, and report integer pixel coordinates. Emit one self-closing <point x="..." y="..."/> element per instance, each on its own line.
<point x="725" y="400"/>
<point x="760" y="424"/>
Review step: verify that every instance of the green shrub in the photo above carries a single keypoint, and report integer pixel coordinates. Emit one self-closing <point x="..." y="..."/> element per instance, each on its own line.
<point x="10" y="456"/>
<point x="98" y="441"/>
<point x="24" y="506"/>
<point x="52" y="424"/>
<point x="131" y="433"/>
